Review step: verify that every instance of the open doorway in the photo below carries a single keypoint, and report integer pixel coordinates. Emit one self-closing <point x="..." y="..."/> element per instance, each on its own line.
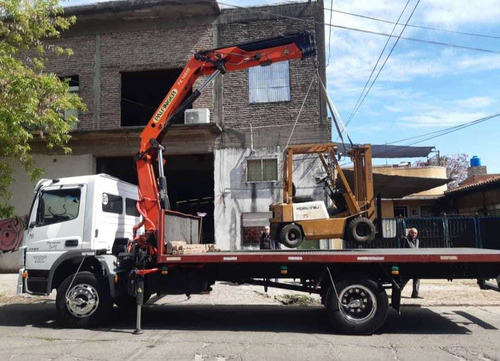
<point x="190" y="182"/>
<point x="142" y="93"/>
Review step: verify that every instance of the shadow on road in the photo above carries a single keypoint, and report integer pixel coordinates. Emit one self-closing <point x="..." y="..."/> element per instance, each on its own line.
<point x="262" y="318"/>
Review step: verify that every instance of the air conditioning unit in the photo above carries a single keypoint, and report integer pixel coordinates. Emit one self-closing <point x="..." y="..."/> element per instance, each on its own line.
<point x="197" y="116"/>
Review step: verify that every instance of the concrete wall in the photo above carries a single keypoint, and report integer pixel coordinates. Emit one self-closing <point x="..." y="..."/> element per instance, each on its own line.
<point x="235" y="196"/>
<point x="55" y="166"/>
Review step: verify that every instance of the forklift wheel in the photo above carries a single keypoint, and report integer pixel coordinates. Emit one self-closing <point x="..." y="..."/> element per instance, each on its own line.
<point x="361" y="230"/>
<point x="291" y="235"/>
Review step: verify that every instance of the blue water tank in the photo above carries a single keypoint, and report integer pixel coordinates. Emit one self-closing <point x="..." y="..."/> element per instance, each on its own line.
<point x="475" y="161"/>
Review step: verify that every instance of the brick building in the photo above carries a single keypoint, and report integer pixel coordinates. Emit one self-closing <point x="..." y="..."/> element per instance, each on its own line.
<point x="127" y="55"/>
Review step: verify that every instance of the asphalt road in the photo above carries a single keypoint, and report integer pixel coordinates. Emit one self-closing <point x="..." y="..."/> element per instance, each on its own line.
<point x="262" y="332"/>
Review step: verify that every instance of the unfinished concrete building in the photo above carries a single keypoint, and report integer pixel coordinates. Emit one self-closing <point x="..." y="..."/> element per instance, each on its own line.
<point x="223" y="159"/>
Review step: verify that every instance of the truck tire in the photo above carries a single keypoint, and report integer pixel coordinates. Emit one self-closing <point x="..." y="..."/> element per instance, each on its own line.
<point x="361" y="230"/>
<point x="363" y="306"/>
<point x="83" y="301"/>
<point x="291" y="235"/>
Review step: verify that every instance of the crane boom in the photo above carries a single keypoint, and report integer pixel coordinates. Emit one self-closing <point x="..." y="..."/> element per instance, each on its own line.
<point x="152" y="188"/>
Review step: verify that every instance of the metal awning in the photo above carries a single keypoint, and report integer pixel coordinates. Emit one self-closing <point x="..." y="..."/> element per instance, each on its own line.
<point x="396" y="186"/>
<point x="395" y="151"/>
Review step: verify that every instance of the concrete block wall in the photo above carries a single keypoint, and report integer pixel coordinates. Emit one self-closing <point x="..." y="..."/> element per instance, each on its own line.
<point x="238" y="111"/>
<point x="101" y="56"/>
<point x="81" y="63"/>
<point x="233" y="195"/>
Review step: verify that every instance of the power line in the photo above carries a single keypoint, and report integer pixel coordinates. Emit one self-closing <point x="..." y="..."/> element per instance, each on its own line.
<point x="331" y="9"/>
<point x="362" y="30"/>
<point x="412" y="26"/>
<point x="453" y="129"/>
<point x="383" y="65"/>
<point x="416" y="39"/>
<point x="376" y="64"/>
<point x="436" y="134"/>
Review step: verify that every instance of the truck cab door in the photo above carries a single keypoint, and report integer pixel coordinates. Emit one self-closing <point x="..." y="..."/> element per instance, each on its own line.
<point x="55" y="225"/>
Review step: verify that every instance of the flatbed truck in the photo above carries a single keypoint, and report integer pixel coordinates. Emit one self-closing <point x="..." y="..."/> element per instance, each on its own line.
<point x="80" y="240"/>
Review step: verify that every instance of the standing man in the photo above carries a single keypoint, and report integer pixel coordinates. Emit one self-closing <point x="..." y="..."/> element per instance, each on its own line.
<point x="411" y="241"/>
<point x="266" y="242"/>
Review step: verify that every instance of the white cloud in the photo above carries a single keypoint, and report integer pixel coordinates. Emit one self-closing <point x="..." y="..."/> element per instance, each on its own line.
<point x="439" y="118"/>
<point x="475" y="102"/>
<point x="458" y="12"/>
<point x="393" y="109"/>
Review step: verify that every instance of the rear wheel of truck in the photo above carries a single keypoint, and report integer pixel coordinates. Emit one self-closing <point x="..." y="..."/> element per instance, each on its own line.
<point x="83" y="300"/>
<point x="361" y="307"/>
<point x="291" y="235"/>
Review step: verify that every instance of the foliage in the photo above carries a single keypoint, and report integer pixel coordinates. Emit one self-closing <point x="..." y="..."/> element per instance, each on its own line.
<point x="32" y="101"/>
<point x="456" y="167"/>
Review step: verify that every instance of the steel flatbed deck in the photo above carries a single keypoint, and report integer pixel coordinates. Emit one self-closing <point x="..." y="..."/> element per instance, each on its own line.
<point x="400" y="255"/>
<point x="352" y="283"/>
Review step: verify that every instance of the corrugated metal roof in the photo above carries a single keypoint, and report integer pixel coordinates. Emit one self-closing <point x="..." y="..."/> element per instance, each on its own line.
<point x="487" y="182"/>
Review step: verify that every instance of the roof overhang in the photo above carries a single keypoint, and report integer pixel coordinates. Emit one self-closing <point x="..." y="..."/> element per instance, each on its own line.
<point x="395" y="186"/>
<point x="181" y="139"/>
<point x="144" y="9"/>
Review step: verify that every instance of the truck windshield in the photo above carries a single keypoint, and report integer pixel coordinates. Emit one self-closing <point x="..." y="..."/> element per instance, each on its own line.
<point x="59" y="205"/>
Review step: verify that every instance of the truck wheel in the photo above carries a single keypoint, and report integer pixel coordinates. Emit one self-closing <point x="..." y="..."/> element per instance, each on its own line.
<point x="361" y="230"/>
<point x="362" y="308"/>
<point x="83" y="301"/>
<point x="291" y="235"/>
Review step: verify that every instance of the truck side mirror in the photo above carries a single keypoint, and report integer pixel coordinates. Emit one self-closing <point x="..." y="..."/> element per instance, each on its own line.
<point x="32" y="225"/>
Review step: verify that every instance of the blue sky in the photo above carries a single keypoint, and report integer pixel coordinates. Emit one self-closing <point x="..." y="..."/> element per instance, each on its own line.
<point x="423" y="87"/>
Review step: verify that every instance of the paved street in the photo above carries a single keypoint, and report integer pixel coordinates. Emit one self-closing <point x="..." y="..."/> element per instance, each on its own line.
<point x="216" y="327"/>
<point x="226" y="332"/>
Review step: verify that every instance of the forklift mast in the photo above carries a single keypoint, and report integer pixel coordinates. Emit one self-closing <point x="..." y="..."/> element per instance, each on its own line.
<point x="359" y="197"/>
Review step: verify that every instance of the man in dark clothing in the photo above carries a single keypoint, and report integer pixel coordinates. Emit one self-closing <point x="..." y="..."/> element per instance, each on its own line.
<point x="266" y="242"/>
<point x="411" y="241"/>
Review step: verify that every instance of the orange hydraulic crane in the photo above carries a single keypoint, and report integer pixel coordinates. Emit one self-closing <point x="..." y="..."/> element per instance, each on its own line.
<point x="153" y="197"/>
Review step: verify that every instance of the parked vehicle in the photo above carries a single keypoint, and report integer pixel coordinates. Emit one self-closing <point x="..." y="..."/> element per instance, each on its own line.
<point x="78" y="229"/>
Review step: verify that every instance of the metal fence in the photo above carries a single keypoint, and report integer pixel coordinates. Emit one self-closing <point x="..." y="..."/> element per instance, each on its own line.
<point x="439" y="232"/>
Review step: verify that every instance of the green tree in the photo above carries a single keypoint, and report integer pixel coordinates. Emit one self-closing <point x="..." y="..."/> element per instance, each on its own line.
<point x="32" y="101"/>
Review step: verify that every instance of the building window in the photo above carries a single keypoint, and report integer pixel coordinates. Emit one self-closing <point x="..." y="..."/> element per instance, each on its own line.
<point x="401" y="212"/>
<point x="112" y="203"/>
<point x="74" y="88"/>
<point x="253" y="224"/>
<point x="269" y="84"/>
<point x="143" y="92"/>
<point x="262" y="170"/>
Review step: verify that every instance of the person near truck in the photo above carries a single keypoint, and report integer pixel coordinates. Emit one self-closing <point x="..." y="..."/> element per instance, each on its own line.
<point x="266" y="242"/>
<point x="411" y="241"/>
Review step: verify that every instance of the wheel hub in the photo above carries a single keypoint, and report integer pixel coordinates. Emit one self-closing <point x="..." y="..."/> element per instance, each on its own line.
<point x="358" y="303"/>
<point x="82" y="300"/>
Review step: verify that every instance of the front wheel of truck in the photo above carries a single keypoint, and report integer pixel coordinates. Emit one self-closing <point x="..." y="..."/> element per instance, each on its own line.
<point x="83" y="300"/>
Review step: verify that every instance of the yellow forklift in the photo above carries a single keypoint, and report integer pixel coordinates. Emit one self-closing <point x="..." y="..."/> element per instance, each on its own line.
<point x="350" y="212"/>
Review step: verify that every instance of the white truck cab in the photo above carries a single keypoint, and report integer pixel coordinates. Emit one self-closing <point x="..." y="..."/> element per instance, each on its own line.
<point x="72" y="219"/>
